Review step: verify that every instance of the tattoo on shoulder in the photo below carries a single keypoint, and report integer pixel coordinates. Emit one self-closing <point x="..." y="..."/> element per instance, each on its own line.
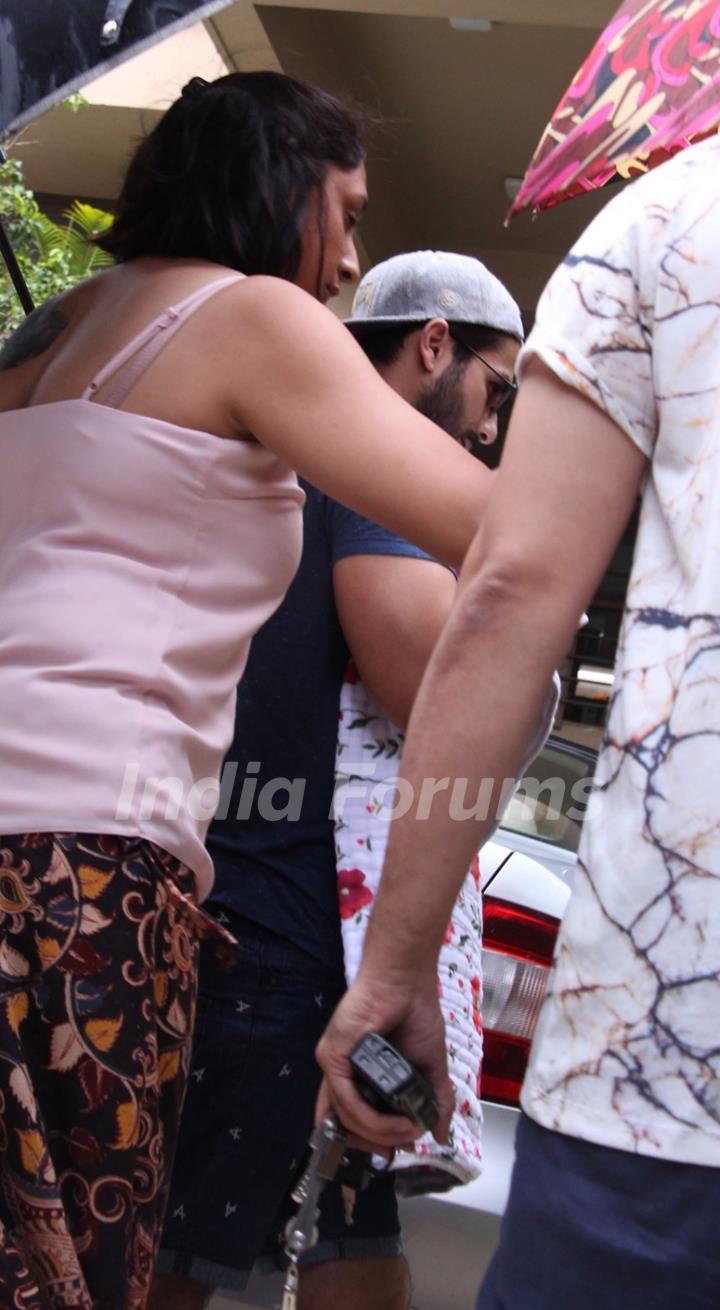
<point x="34" y="336"/>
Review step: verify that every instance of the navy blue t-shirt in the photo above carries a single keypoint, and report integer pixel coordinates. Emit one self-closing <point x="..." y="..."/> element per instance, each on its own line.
<point x="280" y="871"/>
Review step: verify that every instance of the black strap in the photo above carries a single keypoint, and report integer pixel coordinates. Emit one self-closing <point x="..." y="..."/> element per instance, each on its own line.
<point x="13" y="267"/>
<point x="115" y="16"/>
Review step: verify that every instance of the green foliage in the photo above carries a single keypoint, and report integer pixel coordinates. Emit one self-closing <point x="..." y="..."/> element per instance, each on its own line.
<point x="75" y="102"/>
<point x="52" y="256"/>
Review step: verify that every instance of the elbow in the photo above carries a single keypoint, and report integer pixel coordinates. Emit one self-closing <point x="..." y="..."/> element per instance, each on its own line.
<point x="496" y="588"/>
<point x="507" y="597"/>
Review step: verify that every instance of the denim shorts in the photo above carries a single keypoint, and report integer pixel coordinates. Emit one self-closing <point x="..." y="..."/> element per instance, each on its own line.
<point x="247" y="1119"/>
<point x="592" y="1228"/>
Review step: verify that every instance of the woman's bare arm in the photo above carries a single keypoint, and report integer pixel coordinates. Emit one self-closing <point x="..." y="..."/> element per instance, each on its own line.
<point x="304" y="388"/>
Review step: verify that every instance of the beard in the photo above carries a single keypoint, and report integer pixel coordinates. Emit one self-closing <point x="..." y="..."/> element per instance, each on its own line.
<point x="444" y="403"/>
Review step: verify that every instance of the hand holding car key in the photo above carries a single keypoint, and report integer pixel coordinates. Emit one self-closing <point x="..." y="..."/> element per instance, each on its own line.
<point x="389" y="1083"/>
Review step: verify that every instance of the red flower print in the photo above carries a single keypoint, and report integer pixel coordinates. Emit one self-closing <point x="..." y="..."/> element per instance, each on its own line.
<point x="476" y="989"/>
<point x="449" y="933"/>
<point x="353" y="895"/>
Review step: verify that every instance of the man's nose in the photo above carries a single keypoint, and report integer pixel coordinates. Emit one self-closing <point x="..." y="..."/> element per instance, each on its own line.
<point x="349" y="270"/>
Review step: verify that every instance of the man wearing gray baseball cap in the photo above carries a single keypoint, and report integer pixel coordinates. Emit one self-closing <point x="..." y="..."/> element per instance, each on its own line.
<point x="444" y="333"/>
<point x="422" y="318"/>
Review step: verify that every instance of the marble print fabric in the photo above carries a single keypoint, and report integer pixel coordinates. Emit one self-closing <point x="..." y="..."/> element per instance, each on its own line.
<point x="628" y="1045"/>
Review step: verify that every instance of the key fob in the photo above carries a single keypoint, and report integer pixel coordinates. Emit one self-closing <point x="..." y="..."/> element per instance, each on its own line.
<point x="390" y="1084"/>
<point x="356" y="1170"/>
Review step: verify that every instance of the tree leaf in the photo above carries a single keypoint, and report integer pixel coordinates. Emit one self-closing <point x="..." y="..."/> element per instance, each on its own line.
<point x="103" y="1033"/>
<point x="83" y="960"/>
<point x="59" y="868"/>
<point x="84" y="1147"/>
<point x="95" y="1081"/>
<point x="92" y="920"/>
<point x="160" y="986"/>
<point x="87" y="996"/>
<point x="65" y="1048"/>
<point x="33" y="1155"/>
<point x="93" y="881"/>
<point x="52" y="256"/>
<point x="16" y="1009"/>
<point x="48" y="948"/>
<point x="168" y="1065"/>
<point x="21" y="1088"/>
<point x="62" y="913"/>
<point x="128" y="1122"/>
<point x="177" y="1018"/>
<point x="12" y="963"/>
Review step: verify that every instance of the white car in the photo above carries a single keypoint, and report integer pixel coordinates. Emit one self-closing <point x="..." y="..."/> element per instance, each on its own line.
<point x="526" y="873"/>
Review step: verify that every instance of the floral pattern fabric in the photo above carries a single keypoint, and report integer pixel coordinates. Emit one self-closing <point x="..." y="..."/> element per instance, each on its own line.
<point x="627" y="1049"/>
<point x="98" y="947"/>
<point x="649" y="87"/>
<point x="367" y="762"/>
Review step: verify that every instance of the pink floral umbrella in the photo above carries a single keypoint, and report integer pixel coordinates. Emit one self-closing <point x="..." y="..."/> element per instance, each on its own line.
<point x="649" y="87"/>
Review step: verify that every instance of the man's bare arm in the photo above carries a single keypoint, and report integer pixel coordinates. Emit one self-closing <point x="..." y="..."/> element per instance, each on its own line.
<point x="34" y="336"/>
<point x="392" y="609"/>
<point x="566" y="488"/>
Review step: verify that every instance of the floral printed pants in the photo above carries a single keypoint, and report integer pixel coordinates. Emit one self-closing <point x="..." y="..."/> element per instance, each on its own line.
<point x="98" y="964"/>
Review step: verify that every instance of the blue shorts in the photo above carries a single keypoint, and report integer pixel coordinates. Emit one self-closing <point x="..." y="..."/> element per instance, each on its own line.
<point x="592" y="1228"/>
<point x="247" y="1119"/>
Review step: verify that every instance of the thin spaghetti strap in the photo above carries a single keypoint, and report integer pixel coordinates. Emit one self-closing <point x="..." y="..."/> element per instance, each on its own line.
<point x="129" y="364"/>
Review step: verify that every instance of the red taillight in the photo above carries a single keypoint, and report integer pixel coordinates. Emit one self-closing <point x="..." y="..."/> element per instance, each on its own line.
<point x="528" y="934"/>
<point x="518" y="948"/>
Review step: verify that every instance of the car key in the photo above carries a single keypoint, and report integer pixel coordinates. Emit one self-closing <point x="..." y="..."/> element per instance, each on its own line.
<point x="327" y="1148"/>
<point x="389" y="1083"/>
<point x="355" y="1173"/>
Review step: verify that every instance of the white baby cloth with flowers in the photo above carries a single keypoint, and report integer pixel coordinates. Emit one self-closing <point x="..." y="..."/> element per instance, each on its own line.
<point x="367" y="763"/>
<point x="366" y="767"/>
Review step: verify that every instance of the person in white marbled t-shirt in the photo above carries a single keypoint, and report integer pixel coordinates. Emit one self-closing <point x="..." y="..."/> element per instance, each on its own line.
<point x="620" y="395"/>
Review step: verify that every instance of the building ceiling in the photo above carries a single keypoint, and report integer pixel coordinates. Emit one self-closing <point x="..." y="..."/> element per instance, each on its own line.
<point x="462" y="110"/>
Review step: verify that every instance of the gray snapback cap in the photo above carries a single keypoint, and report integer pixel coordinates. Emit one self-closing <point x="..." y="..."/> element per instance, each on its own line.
<point x="427" y="284"/>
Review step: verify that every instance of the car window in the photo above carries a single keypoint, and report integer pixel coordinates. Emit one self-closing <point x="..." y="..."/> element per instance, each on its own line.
<point x="550" y="801"/>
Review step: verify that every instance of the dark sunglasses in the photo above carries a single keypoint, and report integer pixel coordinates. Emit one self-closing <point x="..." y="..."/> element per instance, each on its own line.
<point x="504" y="387"/>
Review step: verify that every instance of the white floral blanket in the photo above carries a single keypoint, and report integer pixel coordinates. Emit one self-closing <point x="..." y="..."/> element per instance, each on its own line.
<point x="366" y="767"/>
<point x="367" y="762"/>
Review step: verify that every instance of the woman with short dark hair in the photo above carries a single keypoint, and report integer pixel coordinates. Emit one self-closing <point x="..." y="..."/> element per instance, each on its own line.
<point x="229" y="171"/>
<point x="151" y="420"/>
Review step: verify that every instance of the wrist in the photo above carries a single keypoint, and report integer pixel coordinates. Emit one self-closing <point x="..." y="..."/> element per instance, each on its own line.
<point x="399" y="957"/>
<point x="392" y="978"/>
